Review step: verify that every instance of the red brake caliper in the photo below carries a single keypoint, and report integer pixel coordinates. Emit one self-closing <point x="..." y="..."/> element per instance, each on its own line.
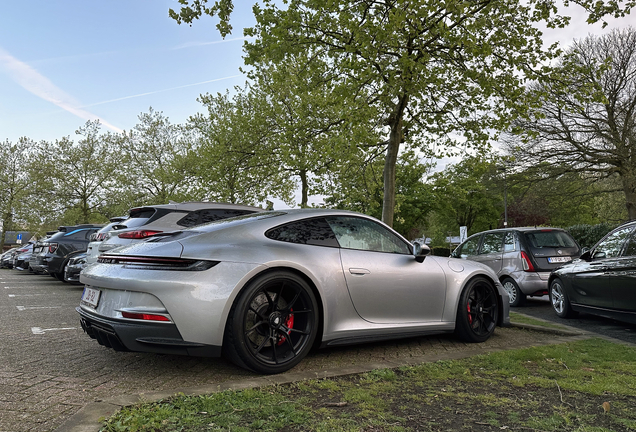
<point x="470" y="317"/>
<point x="290" y="325"/>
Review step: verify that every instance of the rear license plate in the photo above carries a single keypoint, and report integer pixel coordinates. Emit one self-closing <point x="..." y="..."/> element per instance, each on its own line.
<point x="553" y="260"/>
<point x="90" y="296"/>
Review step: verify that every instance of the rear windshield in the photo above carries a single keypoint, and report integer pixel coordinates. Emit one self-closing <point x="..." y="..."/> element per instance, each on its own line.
<point x="550" y="239"/>
<point x="211" y="226"/>
<point x="138" y="218"/>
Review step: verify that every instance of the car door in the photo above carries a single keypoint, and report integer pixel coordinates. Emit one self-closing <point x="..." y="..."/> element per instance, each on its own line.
<point x="591" y="282"/>
<point x="491" y="250"/>
<point x="623" y="276"/>
<point x="386" y="284"/>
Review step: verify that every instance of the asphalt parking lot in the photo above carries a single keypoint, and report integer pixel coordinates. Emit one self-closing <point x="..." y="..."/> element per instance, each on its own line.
<point x="49" y="369"/>
<point x="540" y="307"/>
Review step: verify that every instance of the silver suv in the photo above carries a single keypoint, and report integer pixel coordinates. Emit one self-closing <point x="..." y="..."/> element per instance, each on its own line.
<point x="522" y="257"/>
<point x="146" y="221"/>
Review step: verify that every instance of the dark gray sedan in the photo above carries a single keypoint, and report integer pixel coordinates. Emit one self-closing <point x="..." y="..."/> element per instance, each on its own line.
<point x="602" y="282"/>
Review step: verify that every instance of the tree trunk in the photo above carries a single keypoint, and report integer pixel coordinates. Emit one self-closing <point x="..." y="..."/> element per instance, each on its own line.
<point x="629" y="188"/>
<point x="6" y="225"/>
<point x="304" y="189"/>
<point x="393" y="148"/>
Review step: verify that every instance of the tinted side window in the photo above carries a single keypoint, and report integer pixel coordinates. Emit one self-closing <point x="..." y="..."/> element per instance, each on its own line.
<point x="470" y="247"/>
<point x="199" y="217"/>
<point x="630" y="247"/>
<point x="309" y="231"/>
<point x="364" y="234"/>
<point x="509" y="242"/>
<point x="613" y="243"/>
<point x="81" y="234"/>
<point x="493" y="243"/>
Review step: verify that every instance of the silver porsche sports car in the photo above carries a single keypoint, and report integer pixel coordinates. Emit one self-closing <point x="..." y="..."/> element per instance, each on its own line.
<point x="265" y="288"/>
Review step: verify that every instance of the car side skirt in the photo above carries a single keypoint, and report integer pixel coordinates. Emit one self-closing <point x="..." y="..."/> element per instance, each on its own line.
<point x="618" y="315"/>
<point x="354" y="340"/>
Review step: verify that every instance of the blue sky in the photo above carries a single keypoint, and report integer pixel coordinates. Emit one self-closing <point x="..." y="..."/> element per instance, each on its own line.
<point x="63" y="62"/>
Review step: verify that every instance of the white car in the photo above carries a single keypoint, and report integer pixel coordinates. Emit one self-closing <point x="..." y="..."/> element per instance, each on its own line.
<point x="92" y="252"/>
<point x="146" y="221"/>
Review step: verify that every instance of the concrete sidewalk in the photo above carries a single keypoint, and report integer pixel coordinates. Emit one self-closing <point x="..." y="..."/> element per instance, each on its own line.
<point x="338" y="362"/>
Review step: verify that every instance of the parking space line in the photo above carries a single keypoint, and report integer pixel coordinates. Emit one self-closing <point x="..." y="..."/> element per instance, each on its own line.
<point x="23" y="308"/>
<point x="24" y="295"/>
<point x="38" y="330"/>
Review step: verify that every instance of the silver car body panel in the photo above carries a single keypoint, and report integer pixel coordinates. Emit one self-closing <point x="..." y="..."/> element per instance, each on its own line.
<point x="406" y="297"/>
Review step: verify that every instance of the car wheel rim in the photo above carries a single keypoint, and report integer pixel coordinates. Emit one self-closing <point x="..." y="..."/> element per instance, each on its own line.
<point x="511" y="290"/>
<point x="278" y="322"/>
<point x="557" y="298"/>
<point x="481" y="308"/>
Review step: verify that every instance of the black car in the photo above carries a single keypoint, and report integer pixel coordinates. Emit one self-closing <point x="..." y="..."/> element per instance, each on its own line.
<point x="602" y="282"/>
<point x="56" y="251"/>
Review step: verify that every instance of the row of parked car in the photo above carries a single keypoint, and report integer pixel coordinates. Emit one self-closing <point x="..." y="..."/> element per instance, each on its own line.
<point x="536" y="261"/>
<point x="63" y="254"/>
<point x="265" y="287"/>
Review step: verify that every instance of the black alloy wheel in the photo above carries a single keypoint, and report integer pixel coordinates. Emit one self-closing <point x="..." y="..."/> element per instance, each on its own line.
<point x="478" y="311"/>
<point x="273" y="324"/>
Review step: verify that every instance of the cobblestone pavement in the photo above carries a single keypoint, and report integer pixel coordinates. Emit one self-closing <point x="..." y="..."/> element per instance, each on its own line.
<point x="49" y="369"/>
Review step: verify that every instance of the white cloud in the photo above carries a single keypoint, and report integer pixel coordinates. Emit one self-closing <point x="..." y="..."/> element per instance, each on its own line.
<point x="160" y="91"/>
<point x="34" y="82"/>
<point x="197" y="44"/>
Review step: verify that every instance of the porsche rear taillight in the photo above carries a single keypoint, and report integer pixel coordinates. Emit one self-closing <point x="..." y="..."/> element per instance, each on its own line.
<point x="527" y="264"/>
<point x="52" y="247"/>
<point x="138" y="234"/>
<point x="156" y="263"/>
<point x="144" y="316"/>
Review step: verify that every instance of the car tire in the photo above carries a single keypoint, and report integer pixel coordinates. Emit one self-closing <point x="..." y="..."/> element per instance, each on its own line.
<point x="559" y="300"/>
<point x="478" y="311"/>
<point x="515" y="296"/>
<point x="273" y="323"/>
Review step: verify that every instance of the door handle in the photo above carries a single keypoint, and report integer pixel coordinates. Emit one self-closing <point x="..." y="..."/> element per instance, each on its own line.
<point x="359" y="271"/>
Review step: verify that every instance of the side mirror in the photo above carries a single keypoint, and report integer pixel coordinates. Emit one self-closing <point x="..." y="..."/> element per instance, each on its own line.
<point x="420" y="251"/>
<point x="599" y="255"/>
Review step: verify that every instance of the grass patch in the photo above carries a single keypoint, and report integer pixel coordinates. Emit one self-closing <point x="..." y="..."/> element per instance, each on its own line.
<point x="551" y="388"/>
<point x="523" y="319"/>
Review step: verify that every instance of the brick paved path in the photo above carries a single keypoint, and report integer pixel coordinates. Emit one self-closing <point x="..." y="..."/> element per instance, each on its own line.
<point x="49" y="369"/>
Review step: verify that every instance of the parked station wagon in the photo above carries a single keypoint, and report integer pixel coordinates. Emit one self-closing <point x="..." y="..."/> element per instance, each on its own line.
<point x="522" y="257"/>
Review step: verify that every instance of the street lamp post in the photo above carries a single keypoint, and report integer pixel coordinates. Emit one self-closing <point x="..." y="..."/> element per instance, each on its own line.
<point x="505" y="197"/>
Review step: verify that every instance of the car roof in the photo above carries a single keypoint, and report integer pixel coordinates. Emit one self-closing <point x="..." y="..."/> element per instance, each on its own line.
<point x="198" y="205"/>
<point x="522" y="229"/>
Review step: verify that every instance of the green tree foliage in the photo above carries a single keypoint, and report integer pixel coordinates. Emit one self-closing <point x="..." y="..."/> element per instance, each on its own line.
<point x="432" y="68"/>
<point x="79" y="174"/>
<point x="537" y="197"/>
<point x="235" y="163"/>
<point x="358" y="187"/>
<point x="588" y="235"/>
<point x="15" y="182"/>
<point x="311" y="130"/>
<point x="584" y="120"/>
<point x="158" y="161"/>
<point x="469" y="194"/>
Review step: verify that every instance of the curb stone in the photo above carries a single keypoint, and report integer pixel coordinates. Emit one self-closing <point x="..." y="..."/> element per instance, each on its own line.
<point x="90" y="417"/>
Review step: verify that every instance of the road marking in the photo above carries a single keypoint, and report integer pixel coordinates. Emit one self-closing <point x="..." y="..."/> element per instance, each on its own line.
<point x="23" y="308"/>
<point x="38" y="330"/>
<point x="24" y="295"/>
